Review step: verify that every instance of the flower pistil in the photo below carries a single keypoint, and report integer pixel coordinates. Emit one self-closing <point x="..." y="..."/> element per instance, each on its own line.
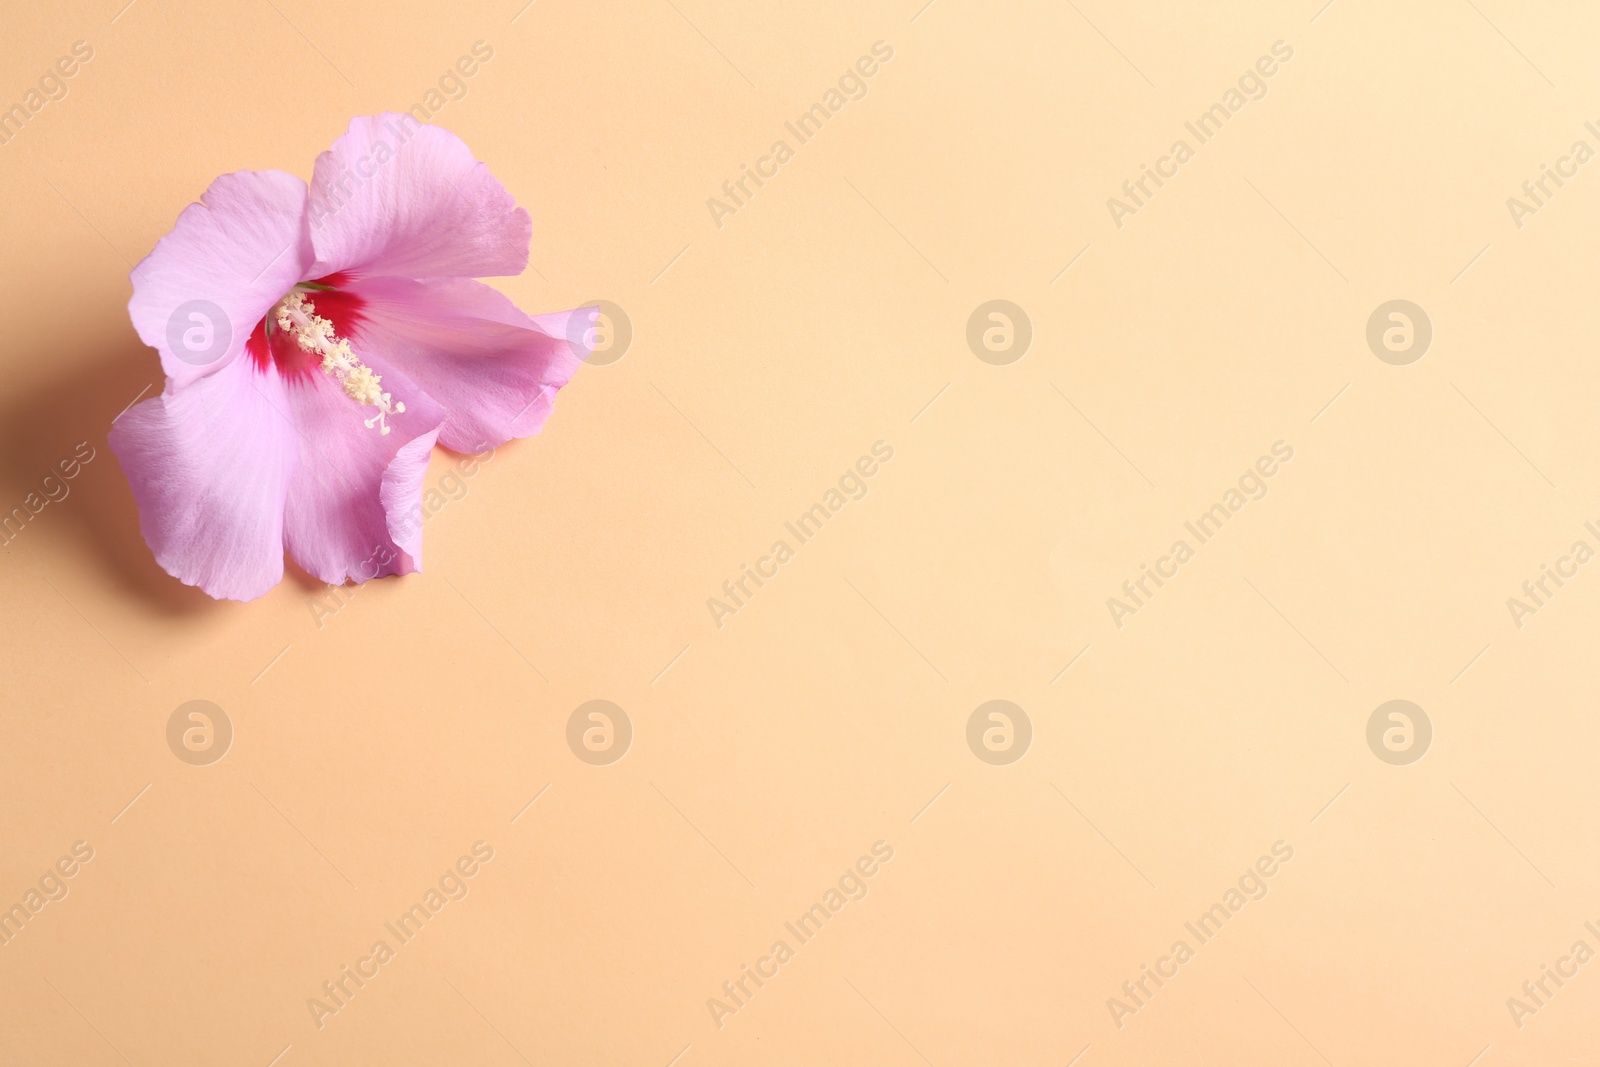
<point x="297" y="315"/>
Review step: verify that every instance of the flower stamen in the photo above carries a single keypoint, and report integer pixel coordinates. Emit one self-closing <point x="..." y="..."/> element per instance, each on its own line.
<point x="297" y="316"/>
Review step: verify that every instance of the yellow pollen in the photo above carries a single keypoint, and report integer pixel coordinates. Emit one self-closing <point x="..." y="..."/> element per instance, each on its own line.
<point x="297" y="316"/>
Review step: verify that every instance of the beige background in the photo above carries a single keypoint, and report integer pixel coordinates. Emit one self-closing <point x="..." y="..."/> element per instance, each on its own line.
<point x="374" y="745"/>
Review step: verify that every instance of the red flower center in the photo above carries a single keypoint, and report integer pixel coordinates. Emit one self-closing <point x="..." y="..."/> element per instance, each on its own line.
<point x="334" y="303"/>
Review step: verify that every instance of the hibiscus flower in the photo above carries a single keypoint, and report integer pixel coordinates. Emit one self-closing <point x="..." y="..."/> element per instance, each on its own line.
<point x="317" y="341"/>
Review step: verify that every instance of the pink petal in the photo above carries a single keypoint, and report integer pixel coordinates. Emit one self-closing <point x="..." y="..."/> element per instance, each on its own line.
<point x="494" y="369"/>
<point x="401" y="494"/>
<point x="228" y="259"/>
<point x="394" y="196"/>
<point x="210" y="466"/>
<point x="354" y="483"/>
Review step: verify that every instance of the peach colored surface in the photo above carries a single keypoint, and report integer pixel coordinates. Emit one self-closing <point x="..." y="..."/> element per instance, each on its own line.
<point x="1195" y="504"/>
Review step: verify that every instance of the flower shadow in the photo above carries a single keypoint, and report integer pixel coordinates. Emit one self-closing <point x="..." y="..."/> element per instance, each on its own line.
<point x="90" y="517"/>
